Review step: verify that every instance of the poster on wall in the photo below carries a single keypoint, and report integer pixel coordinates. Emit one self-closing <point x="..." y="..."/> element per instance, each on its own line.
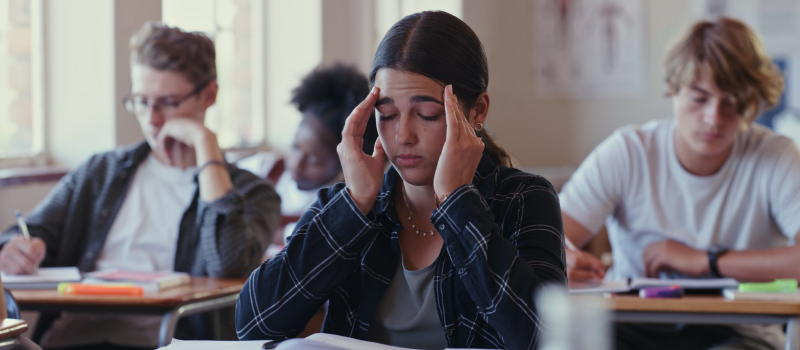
<point x="776" y="21"/>
<point x="589" y="48"/>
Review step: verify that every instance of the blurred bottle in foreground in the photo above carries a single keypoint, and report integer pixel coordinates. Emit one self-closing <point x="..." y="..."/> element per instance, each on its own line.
<point x="573" y="323"/>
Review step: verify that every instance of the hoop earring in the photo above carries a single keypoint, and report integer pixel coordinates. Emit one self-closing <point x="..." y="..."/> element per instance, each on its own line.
<point x="478" y="127"/>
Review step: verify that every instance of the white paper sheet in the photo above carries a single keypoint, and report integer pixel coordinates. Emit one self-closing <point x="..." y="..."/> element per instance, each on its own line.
<point x="709" y="283"/>
<point x="214" y="345"/>
<point x="317" y="341"/>
<point x="611" y="286"/>
<point x="44" y="275"/>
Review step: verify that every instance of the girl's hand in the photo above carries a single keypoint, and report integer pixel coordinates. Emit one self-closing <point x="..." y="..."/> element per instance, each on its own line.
<point x="461" y="153"/>
<point x="363" y="174"/>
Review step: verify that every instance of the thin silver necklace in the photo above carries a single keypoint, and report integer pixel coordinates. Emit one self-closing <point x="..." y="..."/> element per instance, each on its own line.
<point x="411" y="217"/>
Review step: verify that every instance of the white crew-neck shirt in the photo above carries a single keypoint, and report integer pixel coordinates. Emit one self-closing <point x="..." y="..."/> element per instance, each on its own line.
<point x="143" y="237"/>
<point x="634" y="183"/>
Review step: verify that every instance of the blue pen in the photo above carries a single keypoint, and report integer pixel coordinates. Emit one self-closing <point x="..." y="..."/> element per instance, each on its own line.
<point x="22" y="226"/>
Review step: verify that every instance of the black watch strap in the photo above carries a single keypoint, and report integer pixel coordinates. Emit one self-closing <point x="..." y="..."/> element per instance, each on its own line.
<point x="713" y="255"/>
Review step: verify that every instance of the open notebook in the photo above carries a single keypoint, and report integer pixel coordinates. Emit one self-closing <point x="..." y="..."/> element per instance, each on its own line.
<point x="317" y="341"/>
<point x="44" y="278"/>
<point x="622" y="286"/>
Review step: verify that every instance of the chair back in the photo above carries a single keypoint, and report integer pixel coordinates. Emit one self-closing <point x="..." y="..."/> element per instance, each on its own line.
<point x="10" y="307"/>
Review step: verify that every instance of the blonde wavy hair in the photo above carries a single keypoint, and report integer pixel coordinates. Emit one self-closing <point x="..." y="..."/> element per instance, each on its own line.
<point x="735" y="56"/>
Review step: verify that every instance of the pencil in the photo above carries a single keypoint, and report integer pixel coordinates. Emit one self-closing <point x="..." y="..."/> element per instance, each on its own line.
<point x="22" y="226"/>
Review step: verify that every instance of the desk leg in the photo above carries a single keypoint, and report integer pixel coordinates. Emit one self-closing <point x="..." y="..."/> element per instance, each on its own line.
<point x="167" y="330"/>
<point x="793" y="333"/>
<point x="170" y="319"/>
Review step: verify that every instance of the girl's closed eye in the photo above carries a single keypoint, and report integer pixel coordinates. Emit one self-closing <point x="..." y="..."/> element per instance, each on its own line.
<point x="383" y="117"/>
<point x="428" y="118"/>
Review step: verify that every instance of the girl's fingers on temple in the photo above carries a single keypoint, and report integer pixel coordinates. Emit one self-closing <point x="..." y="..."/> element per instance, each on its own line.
<point x="370" y="101"/>
<point x="356" y="122"/>
<point x="450" y="115"/>
<point x="467" y="128"/>
<point x="464" y="121"/>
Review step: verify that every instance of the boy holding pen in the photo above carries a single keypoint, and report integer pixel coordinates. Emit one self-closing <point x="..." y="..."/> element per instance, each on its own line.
<point x="705" y="194"/>
<point x="168" y="203"/>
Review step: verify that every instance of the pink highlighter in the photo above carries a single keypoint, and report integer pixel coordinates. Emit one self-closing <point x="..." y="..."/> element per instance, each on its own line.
<point x="661" y="292"/>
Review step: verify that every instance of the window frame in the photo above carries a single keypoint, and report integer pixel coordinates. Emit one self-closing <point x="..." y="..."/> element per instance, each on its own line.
<point x="39" y="157"/>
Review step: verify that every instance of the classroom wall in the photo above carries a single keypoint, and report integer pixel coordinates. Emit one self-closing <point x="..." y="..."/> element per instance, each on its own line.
<point x="22" y="198"/>
<point x="562" y="132"/>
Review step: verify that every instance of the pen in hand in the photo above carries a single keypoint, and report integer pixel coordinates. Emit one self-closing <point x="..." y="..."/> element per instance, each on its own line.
<point x="22" y="226"/>
<point x="273" y="344"/>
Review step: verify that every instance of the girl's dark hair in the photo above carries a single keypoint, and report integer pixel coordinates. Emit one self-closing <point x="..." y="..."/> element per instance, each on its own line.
<point x="330" y="94"/>
<point x="442" y="47"/>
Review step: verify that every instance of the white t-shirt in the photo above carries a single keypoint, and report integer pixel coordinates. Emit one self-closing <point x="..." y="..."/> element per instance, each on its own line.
<point x="634" y="183"/>
<point x="143" y="237"/>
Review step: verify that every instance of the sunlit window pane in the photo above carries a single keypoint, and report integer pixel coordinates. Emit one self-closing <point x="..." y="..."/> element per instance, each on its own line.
<point x="230" y="24"/>
<point x="19" y="131"/>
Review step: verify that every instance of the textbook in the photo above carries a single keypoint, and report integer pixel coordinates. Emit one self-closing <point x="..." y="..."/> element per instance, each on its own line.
<point x="149" y="281"/>
<point x="623" y="286"/>
<point x="44" y="278"/>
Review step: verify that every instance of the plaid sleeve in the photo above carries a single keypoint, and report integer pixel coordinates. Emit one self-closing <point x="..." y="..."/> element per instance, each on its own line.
<point x="502" y="266"/>
<point x="282" y="295"/>
<point x="236" y="229"/>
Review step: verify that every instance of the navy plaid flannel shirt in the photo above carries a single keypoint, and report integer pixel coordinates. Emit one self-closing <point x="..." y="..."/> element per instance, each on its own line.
<point x="503" y="238"/>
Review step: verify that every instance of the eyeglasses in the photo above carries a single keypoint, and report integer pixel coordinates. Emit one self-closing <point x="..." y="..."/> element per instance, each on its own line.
<point x="138" y="105"/>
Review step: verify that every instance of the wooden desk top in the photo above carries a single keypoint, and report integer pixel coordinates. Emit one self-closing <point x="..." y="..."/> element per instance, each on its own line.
<point x="701" y="304"/>
<point x="200" y="288"/>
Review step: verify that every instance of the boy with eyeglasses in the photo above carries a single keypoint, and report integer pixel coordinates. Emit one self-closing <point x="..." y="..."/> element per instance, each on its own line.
<point x="169" y="203"/>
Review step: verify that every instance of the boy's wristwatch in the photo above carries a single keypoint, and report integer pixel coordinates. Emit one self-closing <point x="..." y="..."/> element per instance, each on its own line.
<point x="713" y="255"/>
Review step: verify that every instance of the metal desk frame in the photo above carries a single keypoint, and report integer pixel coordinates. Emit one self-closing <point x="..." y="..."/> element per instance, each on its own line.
<point x="170" y="316"/>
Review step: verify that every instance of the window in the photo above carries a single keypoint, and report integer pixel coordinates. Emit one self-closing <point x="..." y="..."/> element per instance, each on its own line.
<point x="21" y="122"/>
<point x="236" y="26"/>
<point x="294" y="48"/>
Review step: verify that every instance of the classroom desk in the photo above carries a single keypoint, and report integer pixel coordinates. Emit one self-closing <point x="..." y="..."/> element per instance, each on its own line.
<point x="707" y="310"/>
<point x="202" y="294"/>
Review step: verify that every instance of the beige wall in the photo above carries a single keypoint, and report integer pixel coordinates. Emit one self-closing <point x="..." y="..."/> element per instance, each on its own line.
<point x="559" y="132"/>
<point x="22" y="198"/>
<point x="83" y="93"/>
